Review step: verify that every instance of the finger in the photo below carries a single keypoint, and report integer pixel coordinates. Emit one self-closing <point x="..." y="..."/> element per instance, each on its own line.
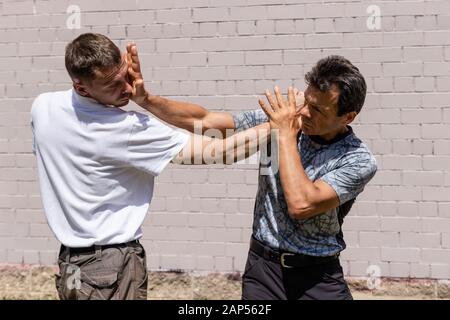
<point x="291" y="98"/>
<point x="265" y="108"/>
<point x="135" y="59"/>
<point x="299" y="98"/>
<point x="279" y="96"/>
<point x="272" y="102"/>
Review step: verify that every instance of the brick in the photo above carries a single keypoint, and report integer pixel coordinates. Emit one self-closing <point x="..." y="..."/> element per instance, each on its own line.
<point x="441" y="147"/>
<point x="246" y="27"/>
<point x="265" y="27"/>
<point x="189" y="59"/>
<point x="446" y="240"/>
<point x="387" y="177"/>
<point x="223" y="264"/>
<point x="378" y="239"/>
<point x="434" y="100"/>
<point x="393" y="54"/>
<point x="304" y="26"/>
<point x="320" y="11"/>
<point x="435" y="224"/>
<point x="404" y="84"/>
<point x="404" y="23"/>
<point x="237" y="73"/>
<point x="324" y="40"/>
<point x="435" y="193"/>
<point x="436" y="162"/>
<point x="223" y="234"/>
<point x="353" y="223"/>
<point x="398" y="224"/>
<point x="400" y="254"/>
<point x="402" y="162"/>
<point x="389" y="131"/>
<point x="284" y="26"/>
<point x="225" y="58"/>
<point x="226" y="28"/>
<point x="17" y="7"/>
<point x="286" y="12"/>
<point x="420" y="240"/>
<point x="263" y="57"/>
<point x="423" y="178"/>
<point x="400" y="270"/>
<point x="363" y="40"/>
<point x="171" y="30"/>
<point x="420" y="270"/>
<point x="437" y="37"/>
<point x="210" y="14"/>
<point x="440" y="271"/>
<point x="403" y="38"/>
<point x="173" y="15"/>
<point x="361" y="254"/>
<point x="282" y="72"/>
<point x="421" y="54"/>
<point x="443" y="83"/>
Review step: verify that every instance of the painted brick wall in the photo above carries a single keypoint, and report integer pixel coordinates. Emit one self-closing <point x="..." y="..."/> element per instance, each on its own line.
<point x="223" y="54"/>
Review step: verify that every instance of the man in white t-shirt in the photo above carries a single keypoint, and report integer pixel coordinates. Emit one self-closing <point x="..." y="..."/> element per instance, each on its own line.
<point x="97" y="164"/>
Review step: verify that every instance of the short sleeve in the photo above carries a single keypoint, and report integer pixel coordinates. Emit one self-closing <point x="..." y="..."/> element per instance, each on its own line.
<point x="33" y="138"/>
<point x="152" y="144"/>
<point x="249" y="119"/>
<point x="354" y="172"/>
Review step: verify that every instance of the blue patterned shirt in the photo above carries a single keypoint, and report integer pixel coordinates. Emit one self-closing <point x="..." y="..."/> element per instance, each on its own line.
<point x="346" y="165"/>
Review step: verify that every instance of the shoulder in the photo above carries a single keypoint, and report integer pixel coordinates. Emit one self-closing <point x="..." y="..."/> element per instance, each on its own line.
<point x="46" y="99"/>
<point x="357" y="154"/>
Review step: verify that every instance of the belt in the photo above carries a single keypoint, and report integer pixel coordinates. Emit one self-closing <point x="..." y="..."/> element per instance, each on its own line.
<point x="94" y="248"/>
<point x="288" y="259"/>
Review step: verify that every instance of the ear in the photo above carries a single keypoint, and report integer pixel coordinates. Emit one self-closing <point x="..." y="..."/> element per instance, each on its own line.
<point x="80" y="88"/>
<point x="349" y="117"/>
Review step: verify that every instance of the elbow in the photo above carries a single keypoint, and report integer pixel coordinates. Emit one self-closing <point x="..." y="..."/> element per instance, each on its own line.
<point x="300" y="210"/>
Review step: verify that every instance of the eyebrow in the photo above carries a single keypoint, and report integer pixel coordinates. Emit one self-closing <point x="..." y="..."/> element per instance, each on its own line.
<point x="108" y="77"/>
<point x="314" y="105"/>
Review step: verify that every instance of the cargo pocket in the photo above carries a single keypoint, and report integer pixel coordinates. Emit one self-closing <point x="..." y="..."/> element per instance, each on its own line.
<point x="98" y="285"/>
<point x="141" y="273"/>
<point x="65" y="281"/>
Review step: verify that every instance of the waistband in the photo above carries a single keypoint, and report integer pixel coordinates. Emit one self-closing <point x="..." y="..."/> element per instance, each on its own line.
<point x="95" y="248"/>
<point x="288" y="259"/>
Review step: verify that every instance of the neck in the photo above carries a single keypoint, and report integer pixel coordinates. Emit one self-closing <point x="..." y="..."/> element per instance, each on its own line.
<point x="331" y="136"/>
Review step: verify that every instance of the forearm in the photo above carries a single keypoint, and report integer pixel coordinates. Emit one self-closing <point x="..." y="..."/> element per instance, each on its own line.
<point x="245" y="143"/>
<point x="180" y="114"/>
<point x="298" y="189"/>
<point x="206" y="150"/>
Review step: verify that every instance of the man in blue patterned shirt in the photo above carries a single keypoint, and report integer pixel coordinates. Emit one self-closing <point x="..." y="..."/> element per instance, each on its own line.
<point x="302" y="197"/>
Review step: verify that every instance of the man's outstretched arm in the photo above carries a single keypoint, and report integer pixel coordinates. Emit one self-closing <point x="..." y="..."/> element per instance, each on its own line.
<point x="180" y="114"/>
<point x="206" y="150"/>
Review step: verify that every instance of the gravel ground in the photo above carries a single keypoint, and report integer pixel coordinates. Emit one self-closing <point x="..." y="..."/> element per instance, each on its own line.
<point x="38" y="283"/>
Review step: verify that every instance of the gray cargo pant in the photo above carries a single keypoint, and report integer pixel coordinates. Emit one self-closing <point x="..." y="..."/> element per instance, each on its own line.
<point x="116" y="272"/>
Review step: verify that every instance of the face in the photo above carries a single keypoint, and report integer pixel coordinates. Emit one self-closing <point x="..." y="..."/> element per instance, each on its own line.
<point x="110" y="87"/>
<point x="319" y="113"/>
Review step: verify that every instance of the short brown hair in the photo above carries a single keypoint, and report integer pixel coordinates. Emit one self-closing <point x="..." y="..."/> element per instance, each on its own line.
<point x="90" y="52"/>
<point x="337" y="70"/>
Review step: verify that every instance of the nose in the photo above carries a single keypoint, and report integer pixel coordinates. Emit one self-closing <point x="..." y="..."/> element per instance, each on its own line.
<point x="304" y="111"/>
<point x="128" y="88"/>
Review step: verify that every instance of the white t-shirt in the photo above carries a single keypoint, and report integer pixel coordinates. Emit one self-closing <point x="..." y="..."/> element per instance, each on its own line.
<point x="97" y="166"/>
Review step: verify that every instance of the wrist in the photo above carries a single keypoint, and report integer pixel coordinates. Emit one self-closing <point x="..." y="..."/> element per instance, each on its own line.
<point x="288" y="135"/>
<point x="148" y="101"/>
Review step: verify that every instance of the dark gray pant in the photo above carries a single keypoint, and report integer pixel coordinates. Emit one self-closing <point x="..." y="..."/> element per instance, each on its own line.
<point x="117" y="272"/>
<point x="265" y="279"/>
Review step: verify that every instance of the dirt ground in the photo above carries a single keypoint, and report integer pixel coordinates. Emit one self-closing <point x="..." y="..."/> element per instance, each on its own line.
<point x="38" y="283"/>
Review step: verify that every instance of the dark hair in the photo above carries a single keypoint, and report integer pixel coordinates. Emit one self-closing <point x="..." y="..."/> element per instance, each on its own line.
<point x="336" y="70"/>
<point x="90" y="52"/>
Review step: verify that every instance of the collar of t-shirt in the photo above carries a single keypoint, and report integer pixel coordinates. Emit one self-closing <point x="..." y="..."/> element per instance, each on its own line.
<point x="82" y="101"/>
<point x="338" y="138"/>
